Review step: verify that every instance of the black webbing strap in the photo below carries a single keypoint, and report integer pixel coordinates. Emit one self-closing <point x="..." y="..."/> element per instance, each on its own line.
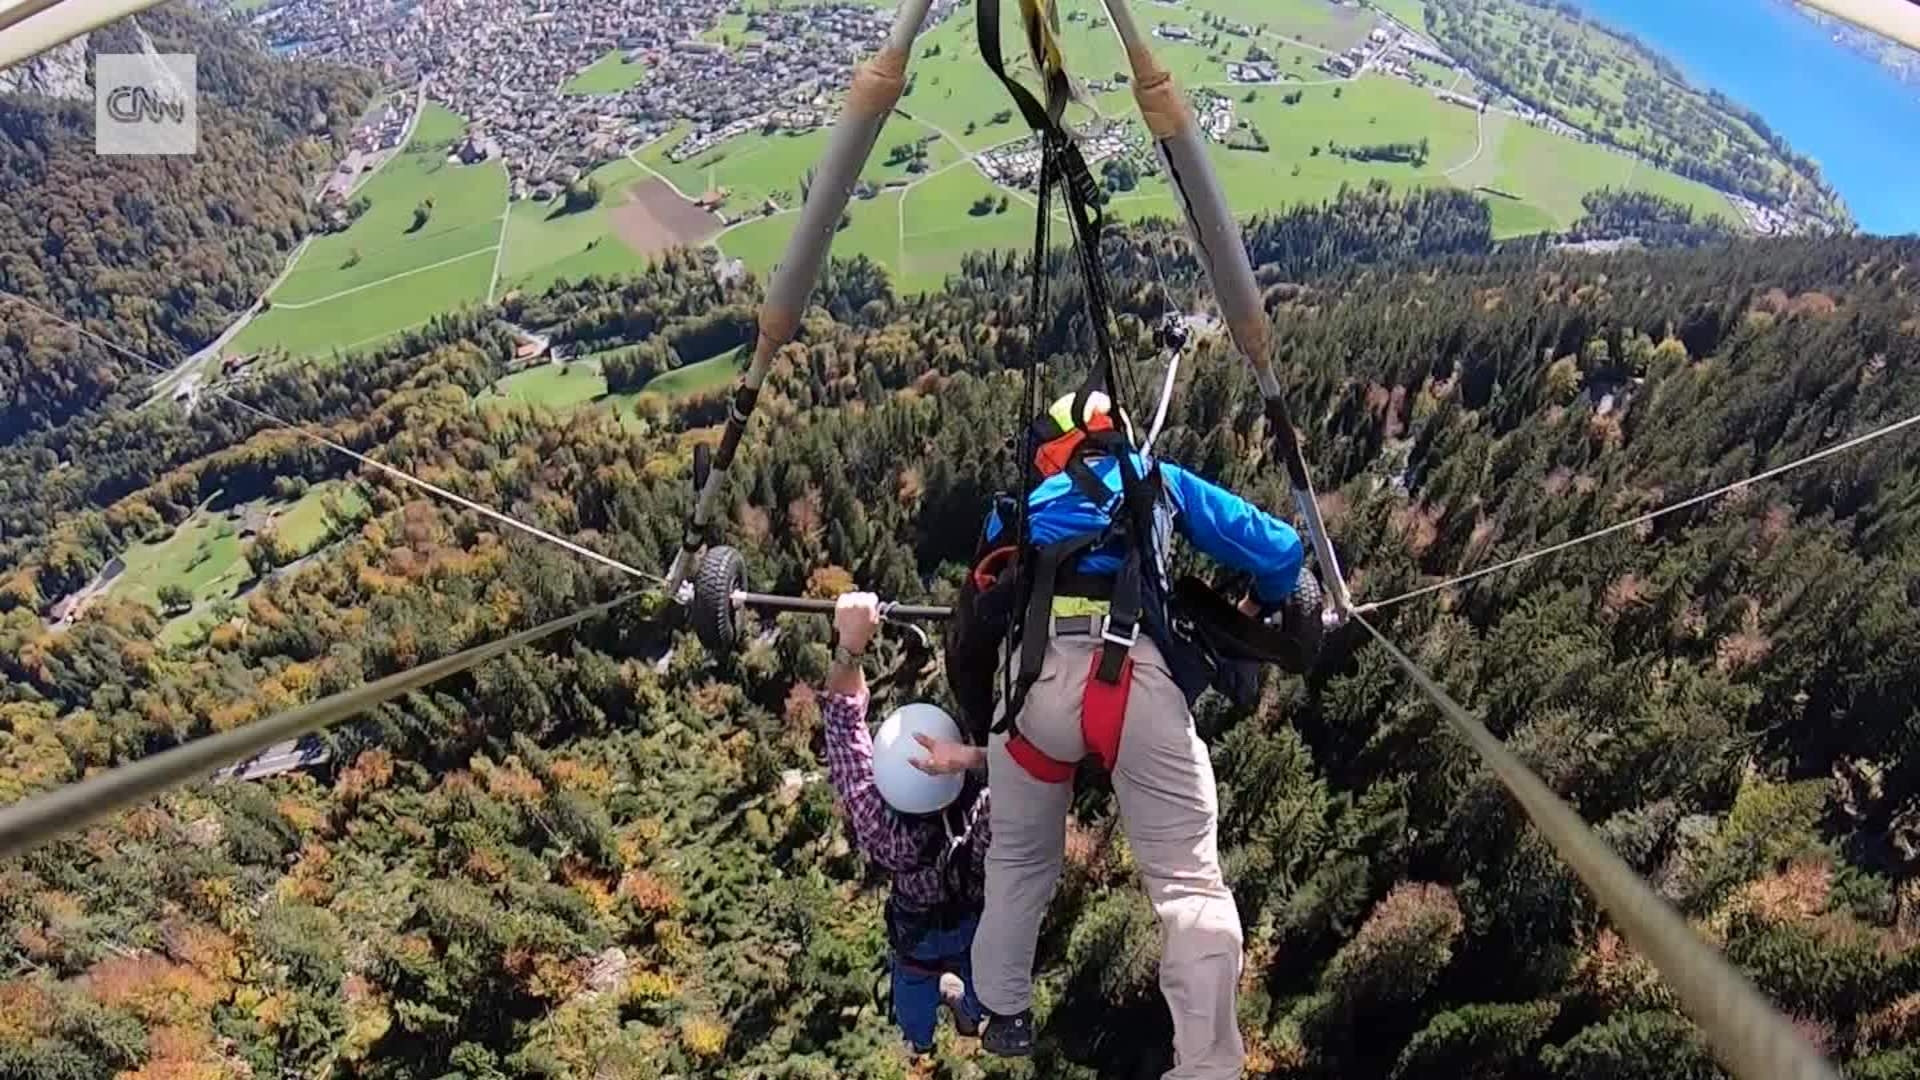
<point x="1036" y="624"/>
<point x="1096" y="492"/>
<point x="1136" y="491"/>
<point x="1123" y="619"/>
<point x="1013" y="691"/>
<point x="1063" y="164"/>
<point x="1039" y="117"/>
<point x="1060" y="160"/>
<point x="1134" y="524"/>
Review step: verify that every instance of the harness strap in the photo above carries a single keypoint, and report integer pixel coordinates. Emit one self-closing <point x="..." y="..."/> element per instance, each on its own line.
<point x="1103" y="709"/>
<point x="1039" y="117"/>
<point x="1089" y="485"/>
<point x="1038" y="765"/>
<point x="1103" y="718"/>
<point x="1134" y="526"/>
<point x="1123" y="624"/>
<point x="1034" y="624"/>
<point x="1060" y="159"/>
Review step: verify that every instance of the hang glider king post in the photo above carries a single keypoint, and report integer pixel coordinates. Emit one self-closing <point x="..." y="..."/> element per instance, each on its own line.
<point x="708" y="577"/>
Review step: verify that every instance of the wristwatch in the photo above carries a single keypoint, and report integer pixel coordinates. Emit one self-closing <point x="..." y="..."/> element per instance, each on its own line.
<point x="847" y="657"/>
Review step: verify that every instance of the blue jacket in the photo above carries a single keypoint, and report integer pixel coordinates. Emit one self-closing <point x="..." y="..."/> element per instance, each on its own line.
<point x="1225" y="527"/>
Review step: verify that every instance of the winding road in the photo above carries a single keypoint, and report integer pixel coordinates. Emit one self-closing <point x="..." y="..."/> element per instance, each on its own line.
<point x="1479" y="145"/>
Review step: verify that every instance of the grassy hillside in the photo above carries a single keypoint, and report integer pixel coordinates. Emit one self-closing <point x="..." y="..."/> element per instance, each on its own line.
<point x="1624" y="94"/>
<point x="388" y="270"/>
<point x="1316" y="128"/>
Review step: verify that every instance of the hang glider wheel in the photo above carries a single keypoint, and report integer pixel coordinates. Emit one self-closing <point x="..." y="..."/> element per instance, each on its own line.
<point x="1301" y="618"/>
<point x="722" y="573"/>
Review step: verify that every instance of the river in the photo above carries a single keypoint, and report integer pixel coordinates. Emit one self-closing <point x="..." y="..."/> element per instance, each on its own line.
<point x="1841" y="109"/>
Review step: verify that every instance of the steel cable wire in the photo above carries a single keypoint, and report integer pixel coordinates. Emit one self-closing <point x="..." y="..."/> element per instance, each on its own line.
<point x="1752" y="1038"/>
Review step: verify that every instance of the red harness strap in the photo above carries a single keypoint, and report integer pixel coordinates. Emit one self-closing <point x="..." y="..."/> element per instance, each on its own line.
<point x="1103" y="711"/>
<point x="1103" y="715"/>
<point x="1038" y="765"/>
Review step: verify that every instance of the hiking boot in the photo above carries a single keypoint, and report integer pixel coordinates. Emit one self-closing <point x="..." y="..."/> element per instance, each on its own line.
<point x="1009" y="1036"/>
<point x="961" y="1024"/>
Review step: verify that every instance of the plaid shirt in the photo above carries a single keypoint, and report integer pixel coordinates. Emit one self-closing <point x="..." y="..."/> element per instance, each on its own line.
<point x="906" y="844"/>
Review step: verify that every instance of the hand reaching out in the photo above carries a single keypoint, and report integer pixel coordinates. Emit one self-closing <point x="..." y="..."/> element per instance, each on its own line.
<point x="944" y="758"/>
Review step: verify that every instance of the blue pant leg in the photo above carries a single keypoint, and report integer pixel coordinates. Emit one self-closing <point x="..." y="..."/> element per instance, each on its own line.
<point x="960" y="962"/>
<point x="916" y="1004"/>
<point x="952" y="950"/>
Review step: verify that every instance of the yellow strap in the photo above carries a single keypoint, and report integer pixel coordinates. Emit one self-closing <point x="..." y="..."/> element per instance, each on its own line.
<point x="1039" y="19"/>
<point x="1066" y="607"/>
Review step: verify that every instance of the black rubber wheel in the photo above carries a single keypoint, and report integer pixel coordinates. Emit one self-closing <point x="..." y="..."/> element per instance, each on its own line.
<point x="722" y="572"/>
<point x="1300" y="619"/>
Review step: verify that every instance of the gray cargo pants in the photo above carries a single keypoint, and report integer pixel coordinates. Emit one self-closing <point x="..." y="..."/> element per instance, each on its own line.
<point x="1163" y="781"/>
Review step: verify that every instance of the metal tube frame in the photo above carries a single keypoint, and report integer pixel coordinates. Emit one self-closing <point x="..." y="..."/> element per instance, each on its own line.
<point x="877" y="85"/>
<point x="1749" y="1035"/>
<point x="1223" y="255"/>
<point x="817" y="606"/>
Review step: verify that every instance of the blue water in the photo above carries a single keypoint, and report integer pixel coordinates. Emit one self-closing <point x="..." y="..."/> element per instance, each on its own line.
<point x="1841" y="109"/>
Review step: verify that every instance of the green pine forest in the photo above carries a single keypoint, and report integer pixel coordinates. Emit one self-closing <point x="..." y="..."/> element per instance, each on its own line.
<point x="612" y="854"/>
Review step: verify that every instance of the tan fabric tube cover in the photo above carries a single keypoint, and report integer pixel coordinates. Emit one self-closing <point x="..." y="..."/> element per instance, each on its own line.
<point x="1161" y="105"/>
<point x="1250" y="331"/>
<point x="878" y="83"/>
<point x="776" y="329"/>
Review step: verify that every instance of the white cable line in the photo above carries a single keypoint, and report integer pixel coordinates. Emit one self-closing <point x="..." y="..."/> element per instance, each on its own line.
<point x="1166" y="399"/>
<point x="398" y="474"/>
<point x="1817" y="455"/>
<point x="1748" y="1032"/>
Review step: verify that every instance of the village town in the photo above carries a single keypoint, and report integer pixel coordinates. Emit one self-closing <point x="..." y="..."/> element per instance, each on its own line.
<point x="504" y="68"/>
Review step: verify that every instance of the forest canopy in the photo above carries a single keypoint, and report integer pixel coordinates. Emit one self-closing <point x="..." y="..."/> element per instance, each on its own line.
<point x="611" y="854"/>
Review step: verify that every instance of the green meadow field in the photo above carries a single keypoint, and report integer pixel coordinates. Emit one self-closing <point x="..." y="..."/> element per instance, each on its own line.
<point x="608" y="75"/>
<point x="545" y="243"/>
<point x="755" y="167"/>
<point x="206" y="554"/>
<point x="382" y="275"/>
<point x="579" y="382"/>
<point x="343" y="290"/>
<point x="921" y="232"/>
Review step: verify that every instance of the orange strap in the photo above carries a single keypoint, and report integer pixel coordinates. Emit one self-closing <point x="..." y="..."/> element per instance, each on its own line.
<point x="990" y="566"/>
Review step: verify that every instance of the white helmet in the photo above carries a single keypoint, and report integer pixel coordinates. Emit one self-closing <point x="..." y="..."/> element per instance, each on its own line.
<point x="905" y="787"/>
